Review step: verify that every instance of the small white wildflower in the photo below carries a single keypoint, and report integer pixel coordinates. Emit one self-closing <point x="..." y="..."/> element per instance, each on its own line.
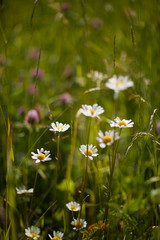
<point x="92" y="111"/>
<point x="59" y="127"/>
<point x="107" y="138"/>
<point x="32" y="232"/>
<point x="79" y="224"/>
<point x="108" y="7"/>
<point x="73" y="206"/>
<point x="121" y="123"/>
<point x="41" y="155"/>
<point x="96" y="76"/>
<point x="56" y="235"/>
<point x="24" y="190"/>
<point x="119" y="83"/>
<point x="92" y="151"/>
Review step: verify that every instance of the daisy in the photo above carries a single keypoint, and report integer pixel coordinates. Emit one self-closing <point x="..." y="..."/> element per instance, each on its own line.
<point x="91" y="151"/>
<point x="24" y="190"/>
<point x="41" y="155"/>
<point x="32" y="232"/>
<point x="59" y="127"/>
<point x="119" y="83"/>
<point x="56" y="235"/>
<point x="121" y="123"/>
<point x="107" y="138"/>
<point x="73" y="206"/>
<point x="92" y="111"/>
<point x="79" y="224"/>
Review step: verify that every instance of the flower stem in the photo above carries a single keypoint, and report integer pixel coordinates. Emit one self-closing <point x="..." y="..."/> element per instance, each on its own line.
<point x="112" y="166"/>
<point x="86" y="167"/>
<point x="35" y="181"/>
<point x="73" y="143"/>
<point x="57" y="165"/>
<point x="58" y="140"/>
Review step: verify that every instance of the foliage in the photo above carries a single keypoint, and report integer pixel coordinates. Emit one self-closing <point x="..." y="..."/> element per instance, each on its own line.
<point x="47" y="49"/>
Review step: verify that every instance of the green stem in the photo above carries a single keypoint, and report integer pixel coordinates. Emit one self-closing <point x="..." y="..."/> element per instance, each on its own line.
<point x="35" y="181"/>
<point x="57" y="165"/>
<point x="86" y="167"/>
<point x="155" y="159"/>
<point x="72" y="147"/>
<point x="58" y="140"/>
<point x="112" y="166"/>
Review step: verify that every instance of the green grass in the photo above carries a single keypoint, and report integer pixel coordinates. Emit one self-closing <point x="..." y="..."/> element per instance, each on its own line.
<point x="112" y="37"/>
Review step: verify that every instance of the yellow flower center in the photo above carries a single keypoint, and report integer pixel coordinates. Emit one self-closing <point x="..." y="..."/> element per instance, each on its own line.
<point x="92" y="111"/>
<point x="119" y="83"/>
<point x="122" y="123"/>
<point x="55" y="238"/>
<point x="78" y="224"/>
<point x="107" y="139"/>
<point x="60" y="128"/>
<point x="89" y="152"/>
<point x="41" y="156"/>
<point x="34" y="234"/>
<point x="73" y="207"/>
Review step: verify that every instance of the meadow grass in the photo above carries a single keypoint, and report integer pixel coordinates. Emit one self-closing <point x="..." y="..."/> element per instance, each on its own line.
<point x="49" y="52"/>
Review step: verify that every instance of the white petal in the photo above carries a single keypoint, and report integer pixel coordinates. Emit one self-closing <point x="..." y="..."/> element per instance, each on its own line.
<point x="99" y="139"/>
<point x="100" y="133"/>
<point x="102" y="145"/>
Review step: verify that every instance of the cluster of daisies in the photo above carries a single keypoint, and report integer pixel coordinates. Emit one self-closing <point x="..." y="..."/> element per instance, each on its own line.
<point x="77" y="223"/>
<point x="44" y="155"/>
<point x="90" y="151"/>
<point x="104" y="139"/>
<point x="34" y="233"/>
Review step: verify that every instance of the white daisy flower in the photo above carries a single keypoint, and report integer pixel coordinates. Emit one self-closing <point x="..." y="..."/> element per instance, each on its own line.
<point x="59" y="127"/>
<point x="119" y="83"/>
<point x="107" y="138"/>
<point x="95" y="75"/>
<point x="92" y="151"/>
<point x="79" y="224"/>
<point x="24" y="190"/>
<point x="32" y="232"/>
<point x="73" y="206"/>
<point x="121" y="123"/>
<point x="41" y="155"/>
<point x="92" y="111"/>
<point x="56" y="235"/>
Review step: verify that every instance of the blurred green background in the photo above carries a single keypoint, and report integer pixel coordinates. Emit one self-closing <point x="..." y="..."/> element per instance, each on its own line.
<point x="53" y="45"/>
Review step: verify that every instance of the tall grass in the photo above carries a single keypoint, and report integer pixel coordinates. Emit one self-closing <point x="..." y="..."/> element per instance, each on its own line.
<point x="47" y="49"/>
